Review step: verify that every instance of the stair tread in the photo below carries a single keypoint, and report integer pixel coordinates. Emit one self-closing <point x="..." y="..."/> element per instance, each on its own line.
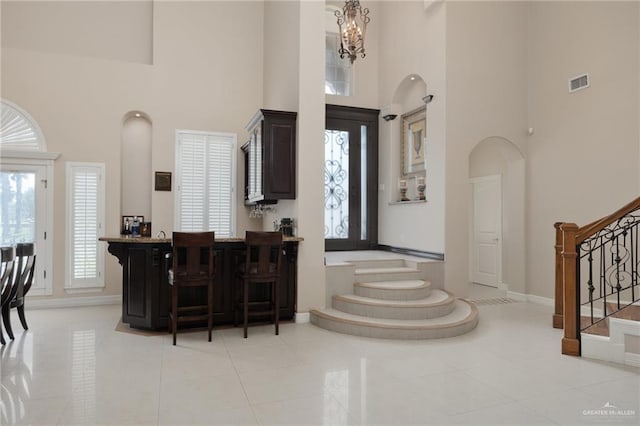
<point x="463" y="311"/>
<point x="437" y="297"/>
<point x="396" y="285"/>
<point x="385" y="270"/>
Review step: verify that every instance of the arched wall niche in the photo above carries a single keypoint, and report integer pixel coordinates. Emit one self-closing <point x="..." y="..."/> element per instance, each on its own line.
<point x="406" y="98"/>
<point x="136" y="175"/>
<point x="496" y="155"/>
<point x="409" y="93"/>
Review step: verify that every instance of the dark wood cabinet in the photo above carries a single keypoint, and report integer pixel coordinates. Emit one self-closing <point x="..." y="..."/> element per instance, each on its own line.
<point x="270" y="157"/>
<point x="145" y="289"/>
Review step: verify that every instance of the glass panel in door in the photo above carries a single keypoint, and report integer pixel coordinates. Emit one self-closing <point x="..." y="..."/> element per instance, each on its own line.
<point x="17" y="207"/>
<point x="336" y="184"/>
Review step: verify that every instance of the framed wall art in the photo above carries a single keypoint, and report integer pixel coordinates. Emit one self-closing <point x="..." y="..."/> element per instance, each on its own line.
<point x="414" y="137"/>
<point x="163" y="181"/>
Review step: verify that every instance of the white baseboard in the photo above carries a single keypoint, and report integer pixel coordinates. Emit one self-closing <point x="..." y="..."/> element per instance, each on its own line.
<point x="545" y="301"/>
<point x="72" y="302"/>
<point x="302" y="317"/>
<point x="632" y="359"/>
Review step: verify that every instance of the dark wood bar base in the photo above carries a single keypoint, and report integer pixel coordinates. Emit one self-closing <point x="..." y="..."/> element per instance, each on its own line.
<point x="145" y="289"/>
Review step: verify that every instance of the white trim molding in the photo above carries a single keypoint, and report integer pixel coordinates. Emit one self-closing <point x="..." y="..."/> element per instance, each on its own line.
<point x="302" y="317"/>
<point x="73" y="302"/>
<point x="613" y="347"/>
<point x="539" y="300"/>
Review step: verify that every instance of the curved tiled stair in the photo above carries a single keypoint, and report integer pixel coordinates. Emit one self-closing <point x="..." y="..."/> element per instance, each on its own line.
<point x="391" y="301"/>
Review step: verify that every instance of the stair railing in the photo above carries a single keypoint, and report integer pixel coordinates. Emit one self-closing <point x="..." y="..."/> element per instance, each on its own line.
<point x="597" y="272"/>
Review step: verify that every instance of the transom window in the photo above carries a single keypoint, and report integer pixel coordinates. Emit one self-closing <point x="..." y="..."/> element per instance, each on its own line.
<point x="17" y="130"/>
<point x="338" y="71"/>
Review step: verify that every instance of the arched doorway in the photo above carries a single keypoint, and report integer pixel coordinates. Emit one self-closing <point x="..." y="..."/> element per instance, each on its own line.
<point x="497" y="222"/>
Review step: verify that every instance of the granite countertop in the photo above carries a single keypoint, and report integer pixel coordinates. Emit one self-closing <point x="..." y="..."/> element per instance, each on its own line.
<point x="150" y="240"/>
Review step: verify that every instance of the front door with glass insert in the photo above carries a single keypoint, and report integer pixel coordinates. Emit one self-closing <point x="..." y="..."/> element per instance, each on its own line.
<point x="350" y="178"/>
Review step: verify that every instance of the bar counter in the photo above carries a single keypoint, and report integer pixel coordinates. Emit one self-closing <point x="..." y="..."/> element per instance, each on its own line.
<point x="145" y="287"/>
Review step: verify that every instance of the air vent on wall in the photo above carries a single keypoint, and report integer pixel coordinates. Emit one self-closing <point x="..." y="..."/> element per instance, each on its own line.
<point x="578" y="83"/>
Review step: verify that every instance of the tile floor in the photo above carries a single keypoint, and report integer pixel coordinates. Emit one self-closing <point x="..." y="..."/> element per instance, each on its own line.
<point x="72" y="367"/>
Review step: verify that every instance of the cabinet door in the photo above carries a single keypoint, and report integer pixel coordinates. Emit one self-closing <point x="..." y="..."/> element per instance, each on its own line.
<point x="136" y="273"/>
<point x="280" y="162"/>
<point x="279" y="155"/>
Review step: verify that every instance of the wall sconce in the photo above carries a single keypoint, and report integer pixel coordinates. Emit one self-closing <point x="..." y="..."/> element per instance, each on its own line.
<point x="389" y="117"/>
<point x="352" y="25"/>
<point x="427" y="99"/>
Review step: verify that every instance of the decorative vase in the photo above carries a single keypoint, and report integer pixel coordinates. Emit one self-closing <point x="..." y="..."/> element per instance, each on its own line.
<point x="402" y="184"/>
<point x="420" y="187"/>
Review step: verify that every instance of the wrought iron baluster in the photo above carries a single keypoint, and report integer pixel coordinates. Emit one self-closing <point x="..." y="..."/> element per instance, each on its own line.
<point x="590" y="283"/>
<point x="603" y="284"/>
<point x="618" y="286"/>
<point x="634" y="263"/>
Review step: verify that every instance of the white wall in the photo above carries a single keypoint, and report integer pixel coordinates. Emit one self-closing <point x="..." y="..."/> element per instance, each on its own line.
<point x="583" y="157"/>
<point x="120" y="30"/>
<point x="198" y="81"/>
<point x="412" y="41"/>
<point x="311" y="120"/>
<point x="486" y="96"/>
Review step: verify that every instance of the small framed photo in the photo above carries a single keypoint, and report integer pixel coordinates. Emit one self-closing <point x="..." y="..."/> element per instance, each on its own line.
<point x="414" y="137"/>
<point x="127" y="224"/>
<point x="163" y="181"/>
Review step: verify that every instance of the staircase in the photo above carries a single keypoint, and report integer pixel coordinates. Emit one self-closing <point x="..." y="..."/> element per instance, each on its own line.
<point x="392" y="299"/>
<point x="615" y="338"/>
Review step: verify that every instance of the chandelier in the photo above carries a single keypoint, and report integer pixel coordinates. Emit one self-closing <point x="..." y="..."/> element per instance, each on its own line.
<point x="352" y="24"/>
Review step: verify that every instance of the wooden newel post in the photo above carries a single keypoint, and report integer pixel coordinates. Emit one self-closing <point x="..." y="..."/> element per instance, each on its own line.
<point x="570" y="342"/>
<point x="558" y="316"/>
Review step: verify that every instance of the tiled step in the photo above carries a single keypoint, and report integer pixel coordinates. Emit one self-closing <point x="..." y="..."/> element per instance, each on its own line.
<point x="437" y="304"/>
<point x="379" y="263"/>
<point x="394" y="290"/>
<point x="461" y="320"/>
<point x="389" y="273"/>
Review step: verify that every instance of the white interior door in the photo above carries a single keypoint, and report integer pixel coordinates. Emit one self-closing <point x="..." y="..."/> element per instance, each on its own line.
<point x="486" y="245"/>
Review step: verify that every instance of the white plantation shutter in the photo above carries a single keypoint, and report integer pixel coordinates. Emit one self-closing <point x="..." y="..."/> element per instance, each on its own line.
<point x="192" y="183"/>
<point x="85" y="192"/>
<point x="17" y="129"/>
<point x="205" y="168"/>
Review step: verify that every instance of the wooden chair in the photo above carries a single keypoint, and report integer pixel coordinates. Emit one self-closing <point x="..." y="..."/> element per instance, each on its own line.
<point x="261" y="267"/>
<point x="193" y="266"/>
<point x="23" y="278"/>
<point x="7" y="260"/>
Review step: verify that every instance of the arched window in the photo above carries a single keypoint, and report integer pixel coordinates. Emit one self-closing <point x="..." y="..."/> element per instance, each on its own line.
<point x="18" y="130"/>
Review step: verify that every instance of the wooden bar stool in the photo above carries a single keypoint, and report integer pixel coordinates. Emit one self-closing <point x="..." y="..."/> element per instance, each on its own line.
<point x="261" y="268"/>
<point x="193" y="266"/>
